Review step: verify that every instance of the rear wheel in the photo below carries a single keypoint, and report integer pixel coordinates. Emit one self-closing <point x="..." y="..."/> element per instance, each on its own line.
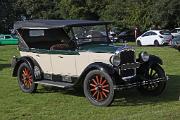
<point x="156" y="43"/>
<point x="26" y="79"/>
<point x="153" y="89"/>
<point x="98" y="88"/>
<point x="139" y="43"/>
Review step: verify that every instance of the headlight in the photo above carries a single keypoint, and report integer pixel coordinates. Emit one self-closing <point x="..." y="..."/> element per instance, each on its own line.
<point x="115" y="60"/>
<point x="144" y="56"/>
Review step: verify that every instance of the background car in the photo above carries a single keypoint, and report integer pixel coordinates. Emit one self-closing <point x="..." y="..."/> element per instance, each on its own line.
<point x="175" y="31"/>
<point x="126" y="35"/>
<point x="175" y="41"/>
<point x="8" y="40"/>
<point x="154" y="37"/>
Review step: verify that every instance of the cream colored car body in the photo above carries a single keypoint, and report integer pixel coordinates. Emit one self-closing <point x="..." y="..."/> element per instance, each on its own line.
<point x="71" y="65"/>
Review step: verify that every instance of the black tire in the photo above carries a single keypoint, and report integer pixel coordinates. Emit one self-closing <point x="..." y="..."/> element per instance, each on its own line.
<point x="98" y="88"/>
<point x="155" y="89"/>
<point x="156" y="43"/>
<point x="139" y="43"/>
<point x="26" y="79"/>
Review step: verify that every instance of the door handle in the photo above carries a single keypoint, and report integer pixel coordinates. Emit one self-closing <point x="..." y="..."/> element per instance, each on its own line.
<point x="38" y="55"/>
<point x="60" y="56"/>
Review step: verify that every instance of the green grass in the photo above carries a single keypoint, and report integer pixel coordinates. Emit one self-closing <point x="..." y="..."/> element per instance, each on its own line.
<point x="70" y="105"/>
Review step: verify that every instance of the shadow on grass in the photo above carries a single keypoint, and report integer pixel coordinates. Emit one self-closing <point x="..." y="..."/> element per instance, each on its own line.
<point x="130" y="97"/>
<point x="2" y="60"/>
<point x="51" y="89"/>
<point x="3" y="66"/>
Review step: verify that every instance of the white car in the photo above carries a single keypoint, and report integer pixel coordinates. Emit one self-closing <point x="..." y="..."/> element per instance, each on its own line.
<point x="154" y="37"/>
<point x="73" y="53"/>
<point x="175" y="32"/>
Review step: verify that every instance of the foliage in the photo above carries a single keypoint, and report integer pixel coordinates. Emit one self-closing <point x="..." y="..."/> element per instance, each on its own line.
<point x="144" y="14"/>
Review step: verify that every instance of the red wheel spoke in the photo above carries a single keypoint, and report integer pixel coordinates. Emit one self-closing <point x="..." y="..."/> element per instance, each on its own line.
<point x="94" y="93"/>
<point x="92" y="85"/>
<point x="30" y="80"/>
<point x="104" y="82"/>
<point x="97" y="79"/>
<point x="93" y="89"/>
<point x="105" y="86"/>
<point x="104" y="94"/>
<point x="97" y="96"/>
<point x="94" y="81"/>
<point x="105" y="90"/>
<point x="101" y="95"/>
<point x="27" y="78"/>
<point x="101" y="80"/>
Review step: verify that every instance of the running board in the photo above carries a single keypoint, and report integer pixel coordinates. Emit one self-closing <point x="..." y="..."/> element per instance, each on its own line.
<point x="54" y="83"/>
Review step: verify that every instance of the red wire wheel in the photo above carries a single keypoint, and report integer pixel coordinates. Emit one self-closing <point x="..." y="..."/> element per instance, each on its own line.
<point x="26" y="79"/>
<point x="98" y="88"/>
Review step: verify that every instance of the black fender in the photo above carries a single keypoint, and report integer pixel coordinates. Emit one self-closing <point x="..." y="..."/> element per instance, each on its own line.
<point x="27" y="59"/>
<point x="98" y="66"/>
<point x="153" y="60"/>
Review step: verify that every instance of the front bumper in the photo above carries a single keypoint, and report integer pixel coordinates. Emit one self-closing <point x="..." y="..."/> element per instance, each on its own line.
<point x="137" y="84"/>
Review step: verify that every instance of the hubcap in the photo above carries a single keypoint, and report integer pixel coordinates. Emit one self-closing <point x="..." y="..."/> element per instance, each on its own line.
<point x="99" y="88"/>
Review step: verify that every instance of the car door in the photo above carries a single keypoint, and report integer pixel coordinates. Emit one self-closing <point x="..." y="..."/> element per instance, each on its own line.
<point x="145" y="39"/>
<point x="8" y="39"/>
<point x="64" y="63"/>
<point x="153" y="37"/>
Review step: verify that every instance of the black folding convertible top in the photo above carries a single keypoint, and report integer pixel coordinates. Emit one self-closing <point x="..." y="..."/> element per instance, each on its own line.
<point x="48" y="24"/>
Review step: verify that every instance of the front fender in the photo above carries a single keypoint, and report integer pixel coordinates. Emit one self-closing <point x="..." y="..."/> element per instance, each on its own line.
<point x="155" y="60"/>
<point x="97" y="66"/>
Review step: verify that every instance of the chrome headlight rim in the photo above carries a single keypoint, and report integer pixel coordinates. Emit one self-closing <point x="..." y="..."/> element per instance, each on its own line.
<point x="144" y="56"/>
<point x="115" y="60"/>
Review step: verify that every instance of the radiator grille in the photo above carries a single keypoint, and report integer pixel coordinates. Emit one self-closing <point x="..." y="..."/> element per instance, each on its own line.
<point x="127" y="73"/>
<point x="127" y="56"/>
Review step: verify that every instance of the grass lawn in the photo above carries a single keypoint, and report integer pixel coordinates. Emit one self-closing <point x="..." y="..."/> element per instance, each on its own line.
<point x="70" y="105"/>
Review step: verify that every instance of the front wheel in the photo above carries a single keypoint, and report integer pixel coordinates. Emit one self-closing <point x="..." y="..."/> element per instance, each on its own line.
<point x="156" y="43"/>
<point x="153" y="89"/>
<point x="98" y="88"/>
<point x="26" y="79"/>
<point x="139" y="43"/>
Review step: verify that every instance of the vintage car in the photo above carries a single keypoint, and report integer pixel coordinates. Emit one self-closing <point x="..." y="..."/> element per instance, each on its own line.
<point x="72" y="53"/>
<point x="8" y="39"/>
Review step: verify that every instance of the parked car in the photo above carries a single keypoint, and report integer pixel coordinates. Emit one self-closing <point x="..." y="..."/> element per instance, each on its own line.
<point x="154" y="37"/>
<point x="175" y="31"/>
<point x="51" y="54"/>
<point x="126" y="35"/>
<point x="8" y="40"/>
<point x="175" y="41"/>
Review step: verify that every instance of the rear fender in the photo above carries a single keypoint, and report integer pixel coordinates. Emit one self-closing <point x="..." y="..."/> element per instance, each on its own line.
<point x="28" y="60"/>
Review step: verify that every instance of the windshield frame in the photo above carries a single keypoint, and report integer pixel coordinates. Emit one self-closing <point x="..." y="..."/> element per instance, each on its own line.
<point x="74" y="38"/>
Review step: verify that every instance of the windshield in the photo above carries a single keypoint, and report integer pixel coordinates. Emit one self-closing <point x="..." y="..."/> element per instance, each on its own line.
<point x="165" y="32"/>
<point x="91" y="34"/>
